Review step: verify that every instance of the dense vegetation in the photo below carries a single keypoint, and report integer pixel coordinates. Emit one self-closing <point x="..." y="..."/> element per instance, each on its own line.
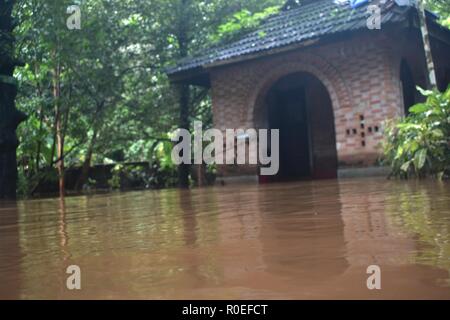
<point x="99" y="95"/>
<point x="419" y="145"/>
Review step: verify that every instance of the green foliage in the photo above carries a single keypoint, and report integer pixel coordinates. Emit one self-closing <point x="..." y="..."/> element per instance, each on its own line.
<point x="137" y="176"/>
<point x="116" y="102"/>
<point x="114" y="182"/>
<point x="419" y="145"/>
<point x="442" y="8"/>
<point x="242" y="21"/>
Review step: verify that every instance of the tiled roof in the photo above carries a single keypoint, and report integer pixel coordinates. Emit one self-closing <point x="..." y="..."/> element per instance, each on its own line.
<point x="306" y="22"/>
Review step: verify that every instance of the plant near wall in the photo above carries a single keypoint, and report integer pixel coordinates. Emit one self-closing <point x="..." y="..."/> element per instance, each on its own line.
<point x="419" y="145"/>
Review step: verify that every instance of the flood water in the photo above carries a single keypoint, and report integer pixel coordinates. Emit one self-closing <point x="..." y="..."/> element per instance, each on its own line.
<point x="305" y="240"/>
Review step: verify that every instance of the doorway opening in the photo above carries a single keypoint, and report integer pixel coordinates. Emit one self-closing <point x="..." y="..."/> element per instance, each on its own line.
<point x="300" y="106"/>
<point x="408" y="86"/>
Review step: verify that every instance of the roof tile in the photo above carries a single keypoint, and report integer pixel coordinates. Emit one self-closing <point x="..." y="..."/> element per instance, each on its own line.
<point x="306" y="22"/>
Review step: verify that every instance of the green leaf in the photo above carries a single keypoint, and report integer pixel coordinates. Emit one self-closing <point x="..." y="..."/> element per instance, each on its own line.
<point x="414" y="145"/>
<point x="419" y="159"/>
<point x="418" y="108"/>
<point x="405" y="166"/>
<point x="437" y="133"/>
<point x="399" y="152"/>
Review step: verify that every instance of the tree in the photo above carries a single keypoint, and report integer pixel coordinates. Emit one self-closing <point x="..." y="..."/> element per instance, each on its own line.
<point x="100" y="94"/>
<point x="10" y="116"/>
<point x="188" y="26"/>
<point x="442" y="8"/>
<point x="426" y="45"/>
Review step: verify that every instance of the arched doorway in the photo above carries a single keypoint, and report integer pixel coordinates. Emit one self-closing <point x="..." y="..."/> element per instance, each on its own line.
<point x="408" y="86"/>
<point x="300" y="106"/>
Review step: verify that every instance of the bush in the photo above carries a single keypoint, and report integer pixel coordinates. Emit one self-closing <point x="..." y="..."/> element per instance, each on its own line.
<point x="419" y="145"/>
<point x="129" y="177"/>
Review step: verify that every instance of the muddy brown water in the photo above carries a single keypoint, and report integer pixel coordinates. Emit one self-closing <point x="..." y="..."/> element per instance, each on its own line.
<point x="305" y="240"/>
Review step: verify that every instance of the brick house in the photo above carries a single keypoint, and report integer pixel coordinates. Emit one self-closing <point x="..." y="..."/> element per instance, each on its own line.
<point x="320" y="75"/>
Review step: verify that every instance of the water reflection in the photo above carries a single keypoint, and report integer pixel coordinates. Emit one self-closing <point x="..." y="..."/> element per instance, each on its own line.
<point x="303" y="231"/>
<point x="296" y="240"/>
<point x="10" y="251"/>
<point x="423" y="210"/>
<point x="189" y="218"/>
<point x="371" y="238"/>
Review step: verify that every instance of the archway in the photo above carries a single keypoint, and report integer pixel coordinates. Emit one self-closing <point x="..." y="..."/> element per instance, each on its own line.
<point x="300" y="106"/>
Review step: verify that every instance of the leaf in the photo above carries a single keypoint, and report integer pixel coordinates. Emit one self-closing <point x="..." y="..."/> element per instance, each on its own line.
<point x="419" y="159"/>
<point x="414" y="145"/>
<point x="437" y="133"/>
<point x="405" y="166"/>
<point x="262" y="34"/>
<point x="399" y="152"/>
<point x="418" y="108"/>
<point x="447" y="93"/>
<point x="424" y="92"/>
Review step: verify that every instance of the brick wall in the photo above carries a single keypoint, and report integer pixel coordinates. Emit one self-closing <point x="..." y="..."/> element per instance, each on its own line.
<point x="361" y="75"/>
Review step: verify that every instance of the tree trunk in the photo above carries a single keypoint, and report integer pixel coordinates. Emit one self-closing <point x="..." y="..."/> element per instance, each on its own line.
<point x="39" y="142"/>
<point x="183" y="89"/>
<point x="10" y="117"/>
<point x="432" y="82"/>
<point x="59" y="127"/>
<point x="41" y="122"/>
<point x="184" y="169"/>
<point x="200" y="176"/>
